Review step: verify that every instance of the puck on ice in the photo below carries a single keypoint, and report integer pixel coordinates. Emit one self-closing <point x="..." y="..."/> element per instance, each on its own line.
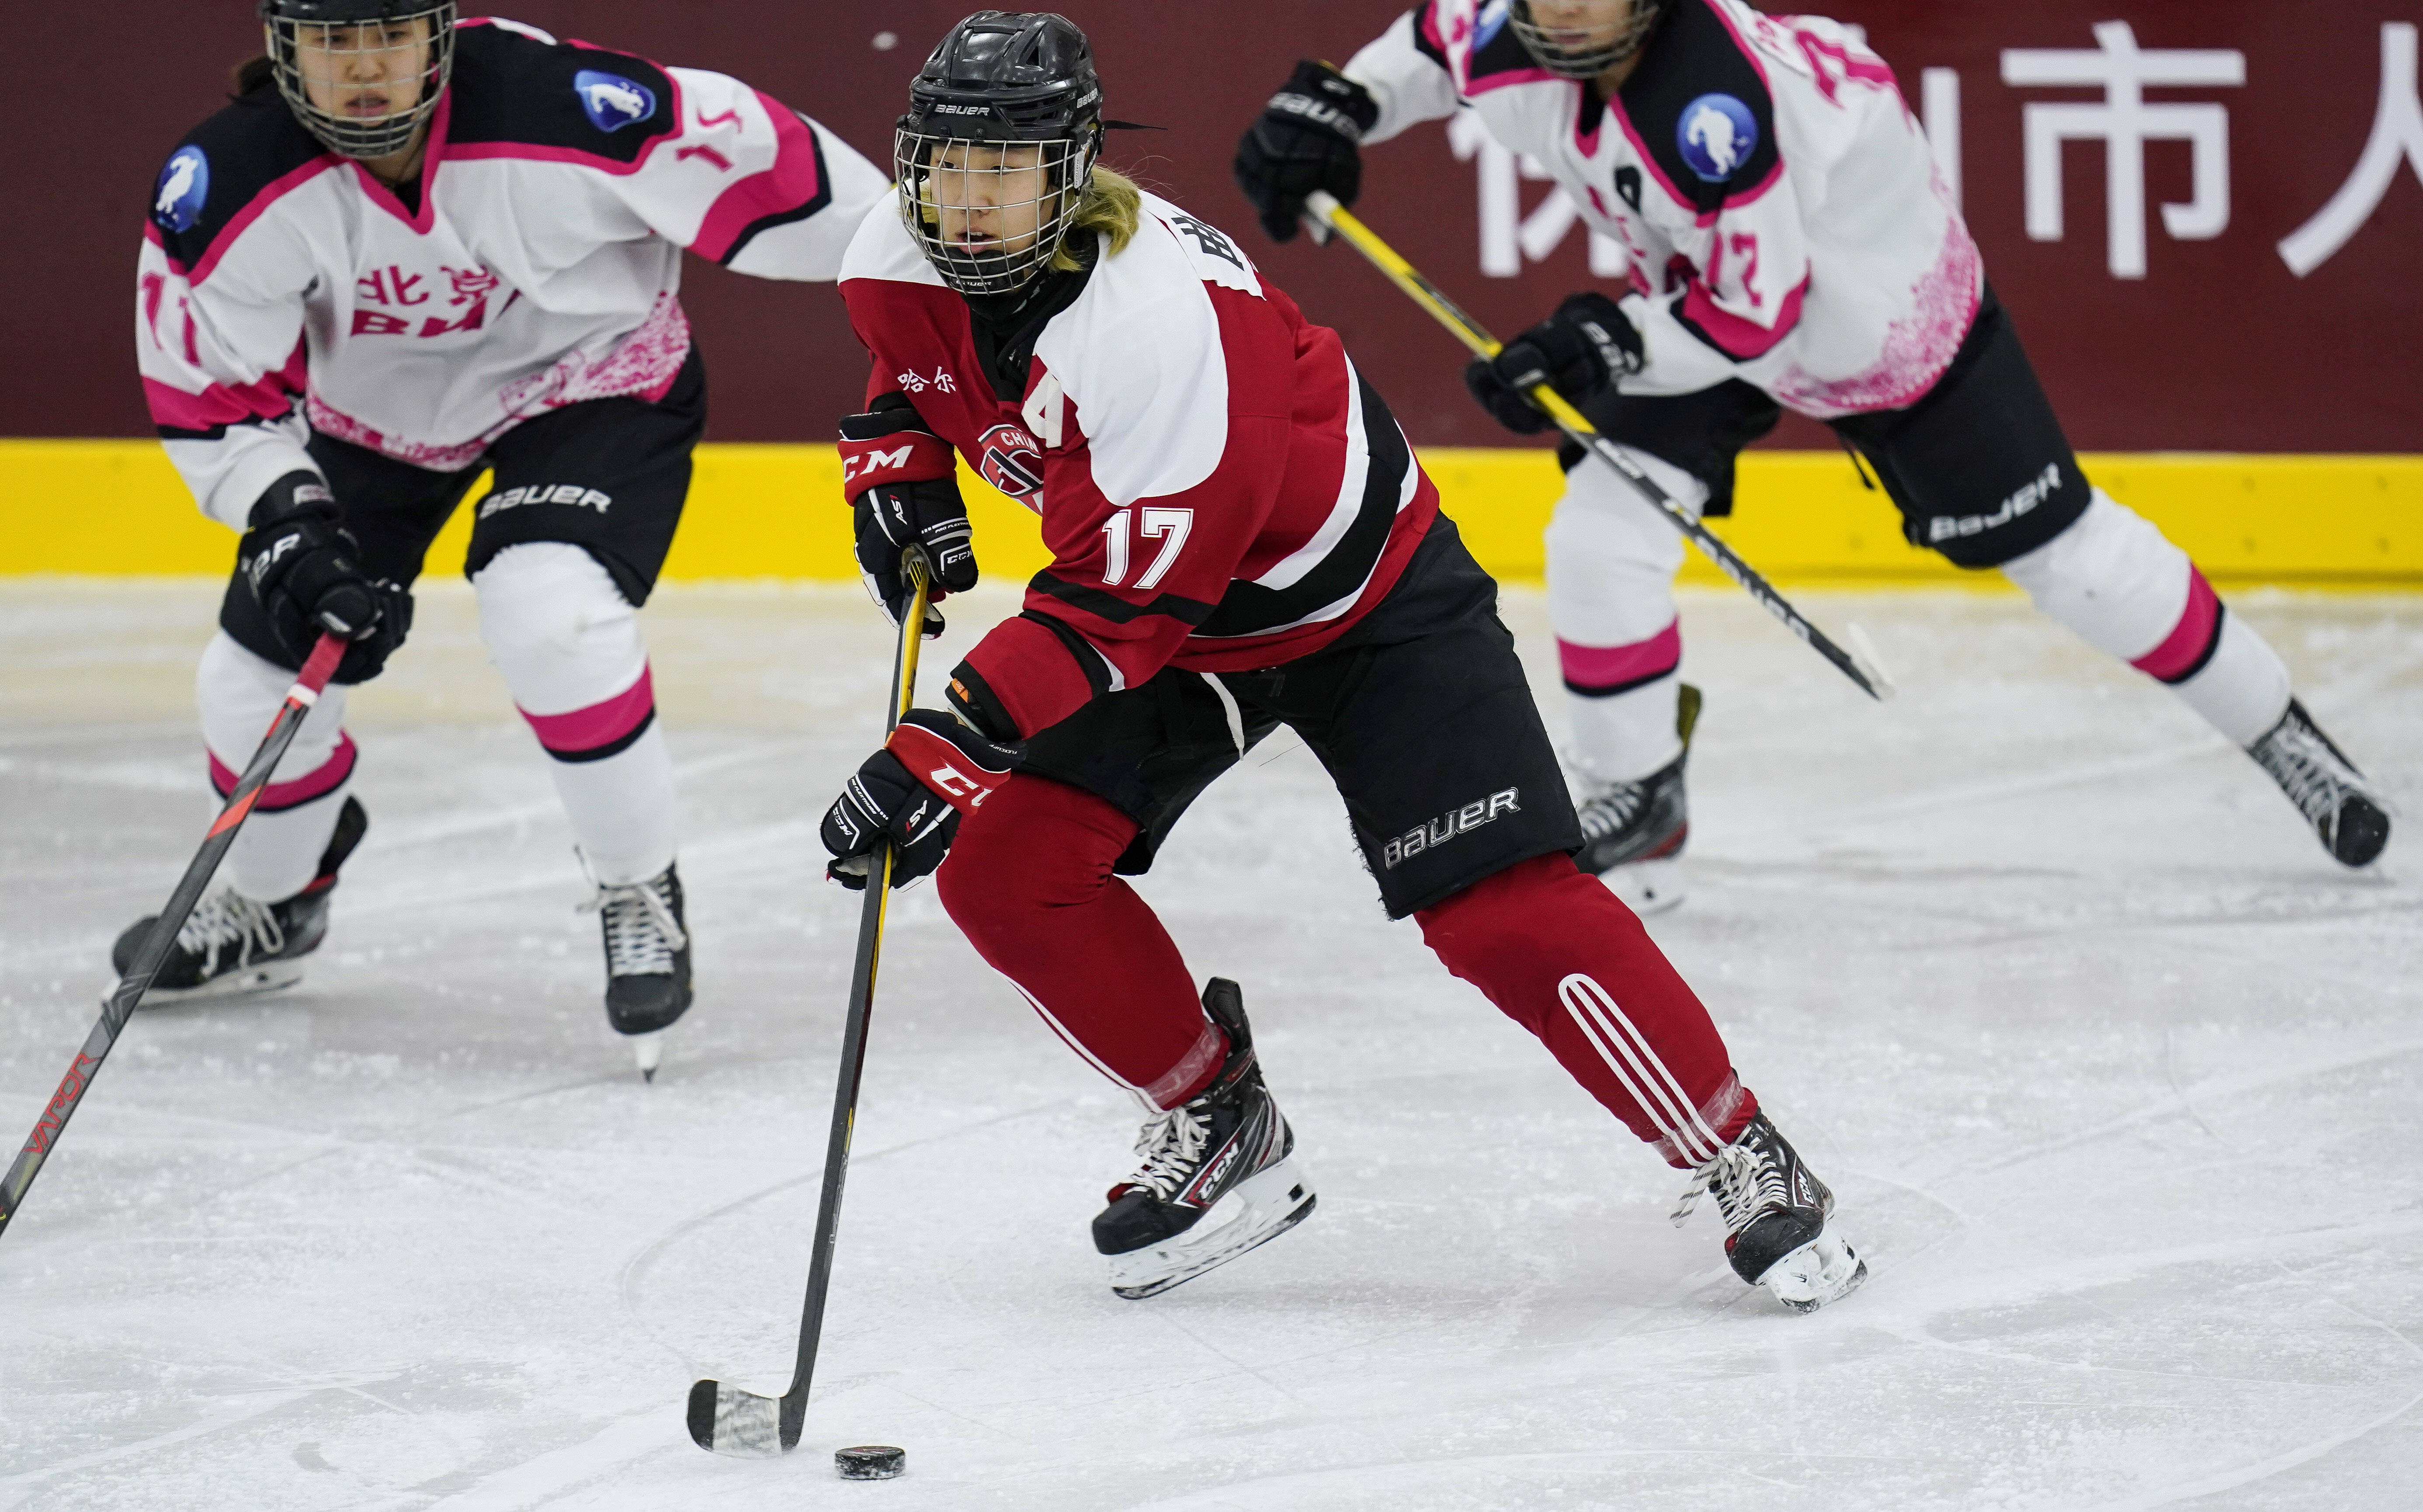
<point x="870" y="1461"/>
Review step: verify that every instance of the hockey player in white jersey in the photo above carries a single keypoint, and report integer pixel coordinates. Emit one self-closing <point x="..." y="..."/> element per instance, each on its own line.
<point x="1791" y="245"/>
<point x="415" y="249"/>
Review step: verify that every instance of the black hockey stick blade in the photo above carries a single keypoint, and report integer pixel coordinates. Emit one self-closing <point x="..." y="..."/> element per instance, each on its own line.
<point x="726" y="1420"/>
<point x="153" y="950"/>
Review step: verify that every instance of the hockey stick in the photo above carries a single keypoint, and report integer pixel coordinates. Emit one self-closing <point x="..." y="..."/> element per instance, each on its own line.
<point x="120" y="1005"/>
<point x="726" y="1418"/>
<point x="1325" y="214"/>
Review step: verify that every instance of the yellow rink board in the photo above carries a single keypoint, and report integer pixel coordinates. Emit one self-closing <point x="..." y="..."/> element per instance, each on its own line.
<point x="775" y="512"/>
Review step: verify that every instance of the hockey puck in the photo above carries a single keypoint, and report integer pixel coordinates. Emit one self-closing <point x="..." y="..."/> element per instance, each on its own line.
<point x="870" y="1461"/>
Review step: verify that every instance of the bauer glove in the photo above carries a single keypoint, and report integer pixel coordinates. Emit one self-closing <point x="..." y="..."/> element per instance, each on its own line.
<point x="933" y="770"/>
<point x="1307" y="137"/>
<point x="902" y="482"/>
<point x="1579" y="352"/>
<point x="304" y="569"/>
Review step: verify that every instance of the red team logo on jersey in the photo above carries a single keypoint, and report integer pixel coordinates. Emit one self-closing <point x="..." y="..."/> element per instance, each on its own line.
<point x="1012" y="460"/>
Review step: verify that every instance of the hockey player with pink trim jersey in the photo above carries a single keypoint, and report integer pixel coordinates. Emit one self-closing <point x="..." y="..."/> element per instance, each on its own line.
<point x="1791" y="245"/>
<point x="1241" y="539"/>
<point x="412" y="250"/>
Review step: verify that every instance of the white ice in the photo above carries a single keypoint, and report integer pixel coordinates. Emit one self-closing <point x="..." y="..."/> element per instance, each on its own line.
<point x="2117" y="1076"/>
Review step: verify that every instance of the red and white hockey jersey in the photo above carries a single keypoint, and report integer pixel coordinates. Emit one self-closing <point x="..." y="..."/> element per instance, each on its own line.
<point x="1219" y="488"/>
<point x="1782" y="214"/>
<point x="281" y="284"/>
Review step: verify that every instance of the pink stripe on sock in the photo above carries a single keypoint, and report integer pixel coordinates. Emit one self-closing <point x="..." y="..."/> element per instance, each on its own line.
<point x="321" y="779"/>
<point x="2190" y="639"/>
<point x="600" y="724"/>
<point x="1614" y="665"/>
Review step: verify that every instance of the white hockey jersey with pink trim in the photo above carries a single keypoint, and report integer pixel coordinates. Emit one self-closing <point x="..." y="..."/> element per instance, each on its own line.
<point x="1780" y="209"/>
<point x="283" y="289"/>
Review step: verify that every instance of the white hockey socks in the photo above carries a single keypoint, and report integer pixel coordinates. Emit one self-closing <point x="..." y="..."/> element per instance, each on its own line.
<point x="568" y="644"/>
<point x="276" y="853"/>
<point x="2120" y="583"/>
<point x="1612" y="558"/>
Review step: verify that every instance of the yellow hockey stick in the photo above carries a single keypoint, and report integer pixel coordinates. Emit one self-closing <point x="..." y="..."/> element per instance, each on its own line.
<point x="1324" y="214"/>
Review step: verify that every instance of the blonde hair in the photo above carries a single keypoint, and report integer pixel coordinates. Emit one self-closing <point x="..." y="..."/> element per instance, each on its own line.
<point x="1110" y="203"/>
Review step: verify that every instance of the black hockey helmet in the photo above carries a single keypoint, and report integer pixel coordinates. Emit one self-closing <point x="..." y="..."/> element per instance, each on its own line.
<point x="1589" y="61"/>
<point x="1005" y="122"/>
<point x="362" y="51"/>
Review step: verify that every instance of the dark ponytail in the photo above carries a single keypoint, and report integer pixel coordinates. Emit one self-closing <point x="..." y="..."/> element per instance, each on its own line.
<point x="258" y="74"/>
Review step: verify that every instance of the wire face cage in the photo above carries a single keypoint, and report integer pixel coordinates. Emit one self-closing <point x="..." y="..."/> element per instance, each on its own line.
<point x="989" y="214"/>
<point x="1582" y="60"/>
<point x="361" y="78"/>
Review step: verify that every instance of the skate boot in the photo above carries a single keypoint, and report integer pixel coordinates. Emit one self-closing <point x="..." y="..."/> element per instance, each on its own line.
<point x="1778" y="1220"/>
<point x="647" y="960"/>
<point x="1634" y="833"/>
<point x="2348" y="813"/>
<point x="1218" y="1176"/>
<point x="233" y="946"/>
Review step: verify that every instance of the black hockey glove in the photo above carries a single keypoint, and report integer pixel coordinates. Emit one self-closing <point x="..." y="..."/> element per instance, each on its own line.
<point x="304" y="569"/>
<point x="934" y="768"/>
<point x="1308" y="138"/>
<point x="904" y="489"/>
<point x="1579" y="351"/>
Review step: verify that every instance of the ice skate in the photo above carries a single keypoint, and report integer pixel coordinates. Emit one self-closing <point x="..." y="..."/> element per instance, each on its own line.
<point x="1218" y="1176"/>
<point x="1779" y="1220"/>
<point x="1634" y="833"/>
<point x="647" y="961"/>
<point x="2349" y="814"/>
<point x="233" y="946"/>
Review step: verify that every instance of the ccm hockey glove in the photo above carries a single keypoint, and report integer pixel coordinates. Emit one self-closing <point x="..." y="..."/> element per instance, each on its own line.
<point x="304" y="569"/>
<point x="1309" y="136"/>
<point x="934" y="768"/>
<point x="1579" y="351"/>
<point x="902" y="482"/>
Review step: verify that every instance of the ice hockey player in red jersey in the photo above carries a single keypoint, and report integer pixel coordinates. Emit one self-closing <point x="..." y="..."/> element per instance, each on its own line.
<point x="1791" y="245"/>
<point x="1241" y="539"/>
<point x="414" y="248"/>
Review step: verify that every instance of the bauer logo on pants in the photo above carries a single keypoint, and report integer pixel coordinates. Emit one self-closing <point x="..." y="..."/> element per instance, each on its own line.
<point x="546" y="494"/>
<point x="1448" y="826"/>
<point x="2034" y="492"/>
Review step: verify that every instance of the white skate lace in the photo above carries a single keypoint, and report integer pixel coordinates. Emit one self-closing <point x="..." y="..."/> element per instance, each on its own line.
<point x="642" y="933"/>
<point x="1611" y="807"/>
<point x="2316" y="780"/>
<point x="1744" y="1185"/>
<point x="1171" y="1141"/>
<point x="228" y="920"/>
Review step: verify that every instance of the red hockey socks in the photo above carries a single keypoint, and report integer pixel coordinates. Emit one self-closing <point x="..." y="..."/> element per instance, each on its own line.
<point x="1560" y="956"/>
<point x="1029" y="882"/>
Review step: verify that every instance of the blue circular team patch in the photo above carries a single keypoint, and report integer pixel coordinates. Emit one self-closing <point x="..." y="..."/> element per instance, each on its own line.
<point x="184" y="184"/>
<point x="611" y="101"/>
<point x="1716" y="136"/>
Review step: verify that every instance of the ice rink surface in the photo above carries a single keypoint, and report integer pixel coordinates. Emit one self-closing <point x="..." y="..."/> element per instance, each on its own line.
<point x="2115" y="1074"/>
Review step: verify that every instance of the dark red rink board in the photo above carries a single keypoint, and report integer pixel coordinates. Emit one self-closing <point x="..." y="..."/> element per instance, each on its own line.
<point x="2218" y="346"/>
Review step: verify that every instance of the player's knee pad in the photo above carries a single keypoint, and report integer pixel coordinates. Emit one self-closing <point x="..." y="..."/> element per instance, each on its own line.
<point x="278" y="852"/>
<point x="1613" y="556"/>
<point x="238" y="693"/>
<point x="2112" y="576"/>
<point x="568" y="644"/>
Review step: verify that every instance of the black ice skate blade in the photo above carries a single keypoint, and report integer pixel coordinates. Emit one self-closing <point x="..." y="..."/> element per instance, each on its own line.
<point x="251" y="982"/>
<point x="871" y="1461"/>
<point x="1214" y="1262"/>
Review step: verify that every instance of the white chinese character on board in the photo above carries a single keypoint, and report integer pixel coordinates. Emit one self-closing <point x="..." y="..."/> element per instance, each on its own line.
<point x="2124" y="123"/>
<point x="2397" y="137"/>
<point x="1507" y="235"/>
